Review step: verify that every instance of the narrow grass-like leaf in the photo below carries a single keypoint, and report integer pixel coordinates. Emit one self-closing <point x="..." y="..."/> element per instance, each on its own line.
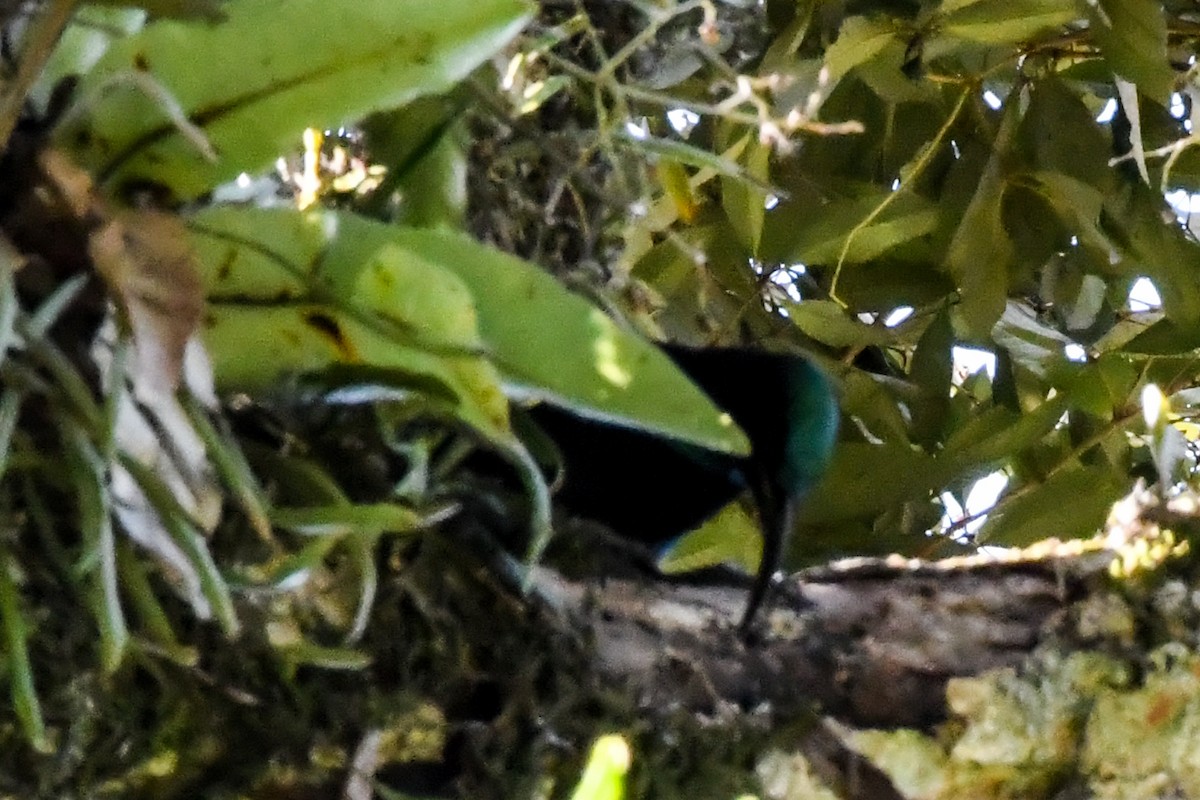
<point x="349" y="519"/>
<point x="154" y="620"/>
<point x="95" y="524"/>
<point x="69" y="382"/>
<point x="186" y="534"/>
<point x="363" y="550"/>
<point x="48" y="313"/>
<point x="309" y="654"/>
<point x="10" y="410"/>
<point x="230" y="464"/>
<point x="8" y="303"/>
<point x="16" y="651"/>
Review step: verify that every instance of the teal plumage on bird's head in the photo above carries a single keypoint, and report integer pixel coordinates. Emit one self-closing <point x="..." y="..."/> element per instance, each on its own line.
<point x="650" y="488"/>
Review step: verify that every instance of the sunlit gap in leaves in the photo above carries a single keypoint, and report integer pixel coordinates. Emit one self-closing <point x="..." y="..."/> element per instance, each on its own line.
<point x="1108" y="112"/>
<point x="1143" y="296"/>
<point x="992" y="99"/>
<point x="783" y="280"/>
<point x="1179" y="110"/>
<point x="963" y="520"/>
<point x="682" y="120"/>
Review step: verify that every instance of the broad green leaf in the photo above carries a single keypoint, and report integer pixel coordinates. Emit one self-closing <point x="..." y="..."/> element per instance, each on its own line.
<point x="548" y="343"/>
<point x="253" y="82"/>
<point x="824" y="237"/>
<point x="402" y="313"/>
<point x="1159" y="248"/>
<point x="859" y="40"/>
<point x="1071" y="504"/>
<point x="731" y="537"/>
<point x="744" y="203"/>
<point x="1006" y="21"/>
<point x="207" y="10"/>
<point x="1101" y="387"/>
<point x="1078" y="204"/>
<point x="1132" y="34"/>
<point x="1002" y="433"/>
<point x="1059" y="134"/>
<point x="931" y="372"/>
<point x="828" y="323"/>
<point x="867" y="479"/>
<point x="981" y="252"/>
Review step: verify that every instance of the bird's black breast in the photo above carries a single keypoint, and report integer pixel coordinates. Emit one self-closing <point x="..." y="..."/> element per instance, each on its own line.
<point x="643" y="486"/>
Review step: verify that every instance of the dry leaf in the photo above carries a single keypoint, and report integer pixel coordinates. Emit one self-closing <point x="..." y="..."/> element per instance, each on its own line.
<point x="144" y="258"/>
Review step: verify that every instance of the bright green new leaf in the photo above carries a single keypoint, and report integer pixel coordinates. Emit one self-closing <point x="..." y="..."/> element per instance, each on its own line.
<point x="271" y="68"/>
<point x="604" y="776"/>
<point x="305" y="276"/>
<point x="402" y="313"/>
<point x="731" y="537"/>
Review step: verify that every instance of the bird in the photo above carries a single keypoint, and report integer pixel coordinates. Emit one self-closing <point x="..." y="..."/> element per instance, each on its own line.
<point x="651" y="488"/>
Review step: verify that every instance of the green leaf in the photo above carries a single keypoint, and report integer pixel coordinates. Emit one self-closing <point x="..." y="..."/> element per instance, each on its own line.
<point x="1132" y="34"/>
<point x="744" y="204"/>
<point x="981" y="252"/>
<point x="207" y="10"/>
<point x="1005" y="21"/>
<point x="254" y="81"/>
<point x="698" y="157"/>
<point x="731" y="537"/>
<point x="932" y="371"/>
<point x="271" y="269"/>
<point x="859" y="40"/>
<point x="403" y="313"/>
<point x="1000" y="433"/>
<point x="604" y="776"/>
<point x="828" y="322"/>
<point x="823" y="238"/>
<point x="1159" y="248"/>
<point x="1071" y="504"/>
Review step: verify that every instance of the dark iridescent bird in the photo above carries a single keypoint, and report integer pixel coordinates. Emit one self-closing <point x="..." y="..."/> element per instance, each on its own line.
<point x="651" y="488"/>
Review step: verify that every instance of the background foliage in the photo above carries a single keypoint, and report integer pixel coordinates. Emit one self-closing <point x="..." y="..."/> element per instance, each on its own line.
<point x="880" y="185"/>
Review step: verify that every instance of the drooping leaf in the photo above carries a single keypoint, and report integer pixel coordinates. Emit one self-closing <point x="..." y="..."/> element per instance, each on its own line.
<point x="548" y="343"/>
<point x="981" y="252"/>
<point x="1133" y="37"/>
<point x="745" y="203"/>
<point x="253" y="82"/>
